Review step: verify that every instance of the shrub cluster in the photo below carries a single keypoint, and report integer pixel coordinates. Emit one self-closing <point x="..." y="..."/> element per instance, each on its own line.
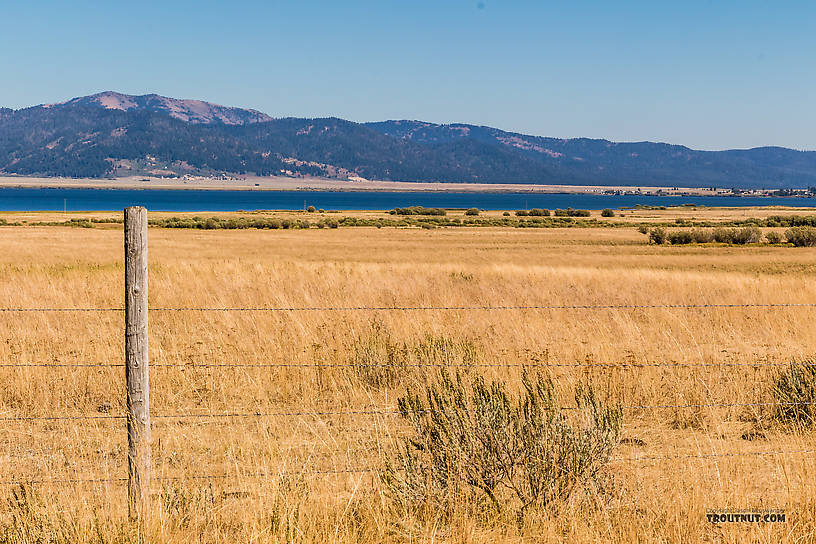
<point x="569" y="212"/>
<point x="801" y="236"/>
<point x="472" y="211"/>
<point x="535" y="212"/>
<point x="418" y="210"/>
<point x="789" y="221"/>
<point x="774" y="237"/>
<point x="210" y="223"/>
<point x="738" y="236"/>
<point x="606" y="212"/>
<point x="733" y="236"/>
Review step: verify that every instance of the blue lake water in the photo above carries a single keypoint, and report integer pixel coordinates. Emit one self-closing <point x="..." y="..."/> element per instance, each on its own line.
<point x="27" y="199"/>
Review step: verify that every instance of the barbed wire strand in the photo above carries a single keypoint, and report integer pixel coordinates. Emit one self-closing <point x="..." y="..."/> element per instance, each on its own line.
<point x="420" y="308"/>
<point x="382" y="412"/>
<point x="363" y="470"/>
<point x="711" y="455"/>
<point x="406" y="365"/>
<point x="41" y="481"/>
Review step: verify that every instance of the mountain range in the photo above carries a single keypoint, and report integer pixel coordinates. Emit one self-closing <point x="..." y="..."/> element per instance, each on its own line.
<point x="113" y="134"/>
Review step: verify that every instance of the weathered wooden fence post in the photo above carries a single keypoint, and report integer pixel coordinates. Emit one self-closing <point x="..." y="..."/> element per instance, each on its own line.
<point x="136" y="363"/>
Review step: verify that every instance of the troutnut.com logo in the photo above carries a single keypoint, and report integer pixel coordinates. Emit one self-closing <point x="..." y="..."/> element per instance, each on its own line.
<point x="727" y="515"/>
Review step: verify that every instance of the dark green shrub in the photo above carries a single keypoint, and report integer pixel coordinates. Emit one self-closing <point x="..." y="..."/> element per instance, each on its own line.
<point x="702" y="236"/>
<point x="472" y="211"/>
<point x="723" y="235"/>
<point x="680" y="237"/>
<point x="773" y="237"/>
<point x="746" y="235"/>
<point x="476" y="444"/>
<point x="418" y="210"/>
<point x="81" y="223"/>
<point x="795" y="392"/>
<point x="538" y="212"/>
<point x="569" y="212"/>
<point x="506" y="214"/>
<point x="522" y="213"/>
<point x="657" y="235"/>
<point x="643" y="229"/>
<point x="606" y="212"/>
<point x="311" y="209"/>
<point x="801" y="236"/>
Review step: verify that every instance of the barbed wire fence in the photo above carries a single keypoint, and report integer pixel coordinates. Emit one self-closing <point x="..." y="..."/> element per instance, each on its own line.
<point x="136" y="365"/>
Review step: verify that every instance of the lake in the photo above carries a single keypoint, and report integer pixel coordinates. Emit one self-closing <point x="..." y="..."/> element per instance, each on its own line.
<point x="28" y="199"/>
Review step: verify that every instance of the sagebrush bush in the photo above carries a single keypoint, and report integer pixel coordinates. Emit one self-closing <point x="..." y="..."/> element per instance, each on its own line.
<point x="606" y="212"/>
<point x="418" y="210"/>
<point x="539" y="212"/>
<point x="569" y="212"/>
<point x="657" y="235"/>
<point x="679" y="237"/>
<point x="746" y="235"/>
<point x="773" y="237"/>
<point x="472" y="211"/>
<point x="702" y="236"/>
<point x="722" y="235"/>
<point x="476" y="445"/>
<point x="801" y="236"/>
<point x="795" y="392"/>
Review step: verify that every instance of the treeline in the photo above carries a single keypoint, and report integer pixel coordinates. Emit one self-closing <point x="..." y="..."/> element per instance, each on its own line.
<point x="418" y="210"/>
<point x="426" y="222"/>
<point x="212" y="223"/>
<point x="768" y="222"/>
<point x="569" y="212"/>
<point x="799" y="236"/>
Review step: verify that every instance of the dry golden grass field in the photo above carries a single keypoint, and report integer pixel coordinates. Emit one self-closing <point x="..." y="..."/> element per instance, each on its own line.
<point x="268" y="455"/>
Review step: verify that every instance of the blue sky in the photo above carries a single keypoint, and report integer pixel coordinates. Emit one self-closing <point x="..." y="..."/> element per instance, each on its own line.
<point x="707" y="74"/>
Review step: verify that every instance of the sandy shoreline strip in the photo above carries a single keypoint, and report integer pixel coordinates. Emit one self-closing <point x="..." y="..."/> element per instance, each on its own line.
<point x="319" y="184"/>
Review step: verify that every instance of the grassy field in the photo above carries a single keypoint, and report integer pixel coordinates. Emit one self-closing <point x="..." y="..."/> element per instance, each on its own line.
<point x="651" y="500"/>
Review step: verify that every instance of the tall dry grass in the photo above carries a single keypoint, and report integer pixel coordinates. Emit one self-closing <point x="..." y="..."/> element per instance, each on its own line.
<point x="660" y="500"/>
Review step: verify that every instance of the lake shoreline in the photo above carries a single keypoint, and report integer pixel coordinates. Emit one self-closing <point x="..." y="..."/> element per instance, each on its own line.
<point x="330" y="185"/>
<point x="164" y="199"/>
